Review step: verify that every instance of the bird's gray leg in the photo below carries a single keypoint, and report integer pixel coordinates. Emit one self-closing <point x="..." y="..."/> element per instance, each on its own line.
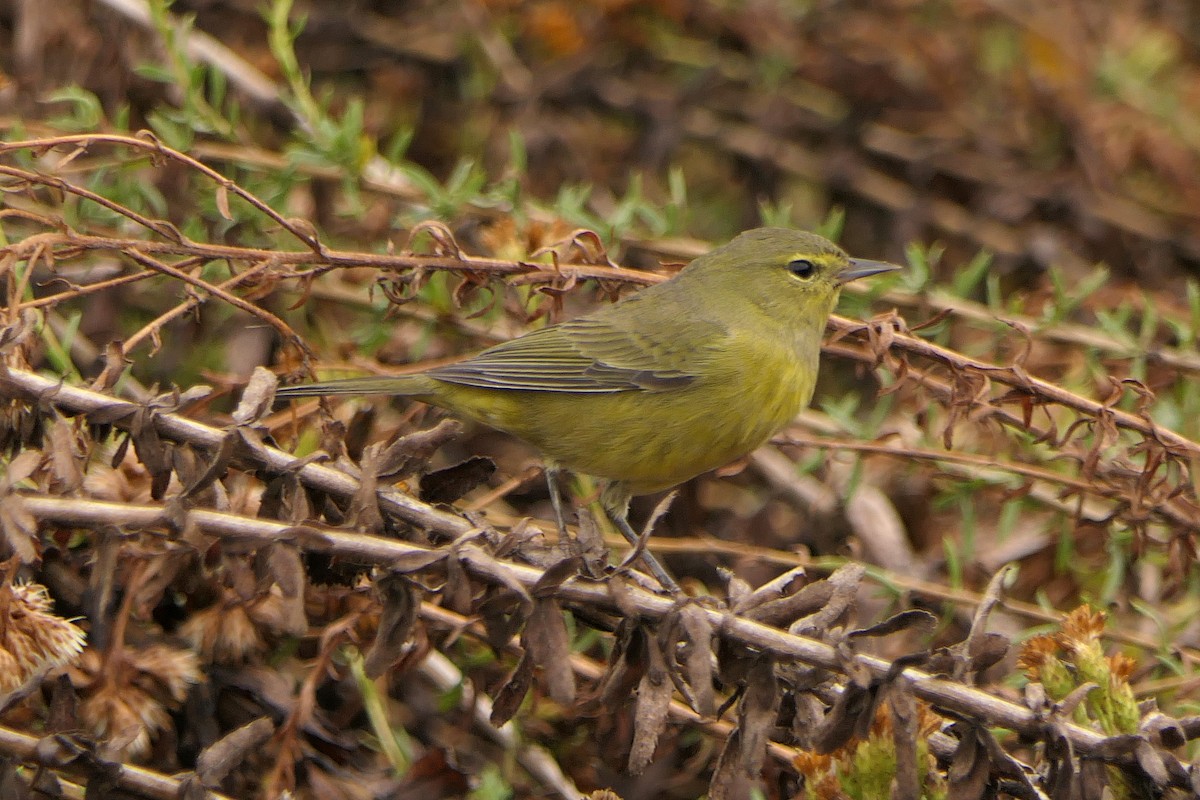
<point x="615" y="501"/>
<point x="552" y="473"/>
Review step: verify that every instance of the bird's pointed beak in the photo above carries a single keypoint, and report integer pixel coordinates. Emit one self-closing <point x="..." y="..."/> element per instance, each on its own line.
<point x="861" y="268"/>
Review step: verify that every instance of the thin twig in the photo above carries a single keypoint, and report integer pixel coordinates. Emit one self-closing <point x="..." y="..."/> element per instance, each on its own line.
<point x="132" y="778"/>
<point x="177" y="428"/>
<point x="370" y="549"/>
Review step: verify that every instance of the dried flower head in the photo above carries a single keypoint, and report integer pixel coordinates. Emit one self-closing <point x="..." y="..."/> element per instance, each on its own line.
<point x="128" y="694"/>
<point x="32" y="640"/>
<point x="1035" y="653"/>
<point x="1122" y="666"/>
<point x="128" y="482"/>
<point x="1081" y="627"/>
<point x="868" y="762"/>
<point x="223" y="633"/>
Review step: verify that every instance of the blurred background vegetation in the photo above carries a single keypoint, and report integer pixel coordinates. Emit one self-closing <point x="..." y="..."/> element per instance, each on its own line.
<point x="1034" y="164"/>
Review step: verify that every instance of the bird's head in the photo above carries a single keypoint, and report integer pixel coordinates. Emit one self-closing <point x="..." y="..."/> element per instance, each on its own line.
<point x="788" y="274"/>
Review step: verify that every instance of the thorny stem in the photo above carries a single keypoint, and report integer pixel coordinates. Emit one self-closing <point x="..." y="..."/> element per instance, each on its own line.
<point x="148" y="143"/>
<point x="175" y="427"/>
<point x="72" y="244"/>
<point x="61" y="755"/>
<point x="282" y="327"/>
<point x="150" y="328"/>
<point x="115" y="653"/>
<point x="956" y="698"/>
<point x="371" y="549"/>
<point x="1016" y="377"/>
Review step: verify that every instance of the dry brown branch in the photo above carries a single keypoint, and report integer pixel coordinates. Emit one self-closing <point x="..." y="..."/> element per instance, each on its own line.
<point x="1061" y="332"/>
<point x="156" y="265"/>
<point x="151" y="329"/>
<point x="145" y="142"/>
<point x="366" y="549"/>
<point x="313" y="264"/>
<point x="893" y="581"/>
<point x="1016" y="377"/>
<point x="978" y="466"/>
<point x="59" y="752"/>
<point x="318" y="259"/>
<point x="82" y="401"/>
<point x="369" y="549"/>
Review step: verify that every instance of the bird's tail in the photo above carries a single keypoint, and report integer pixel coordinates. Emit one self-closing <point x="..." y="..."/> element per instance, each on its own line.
<point x="411" y="385"/>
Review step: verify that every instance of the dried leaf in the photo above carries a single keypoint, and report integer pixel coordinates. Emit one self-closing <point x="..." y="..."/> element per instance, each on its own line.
<point x="737" y="591"/>
<point x="590" y="545"/>
<point x="1090" y="781"/>
<point x="502" y="616"/>
<point x="987" y="650"/>
<point x="440" y="234"/>
<point x="845" y="582"/>
<point x="364" y="506"/>
<point x="444" y="486"/>
<point x="64" y="461"/>
<point x="905" y="733"/>
<point x="193" y="394"/>
<point x="696" y="657"/>
<point x="729" y="780"/>
<point x="456" y="591"/>
<point x="626" y="665"/>
<point x="1077" y="695"/>
<point x="851" y="714"/>
<point x="742" y="599"/>
<point x="1152" y="763"/>
<point x="786" y="610"/>
<point x="215" y="470"/>
<point x="651" y="713"/>
<point x="280" y="609"/>
<point x="416" y="561"/>
<point x="545" y="639"/>
<point x="508" y="699"/>
<point x="410" y="454"/>
<point x="757" y="712"/>
<point x="969" y="767"/>
<point x="120" y="451"/>
<point x="498" y="571"/>
<point x="622" y="597"/>
<point x="1163" y="730"/>
<point x="19" y="469"/>
<point x="913" y="618"/>
<point x="746" y="748"/>
<point x="257" y="398"/>
<point x="222" y="756"/>
<point x="19" y="528"/>
<point x="555" y="576"/>
<point x="63" y="712"/>
<point x="222" y="199"/>
<point x="808" y="714"/>
<point x="279" y="563"/>
<point x="151" y="451"/>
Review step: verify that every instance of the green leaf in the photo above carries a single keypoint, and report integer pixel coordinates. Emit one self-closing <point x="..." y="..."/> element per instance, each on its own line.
<point x="86" y="112"/>
<point x="968" y="278"/>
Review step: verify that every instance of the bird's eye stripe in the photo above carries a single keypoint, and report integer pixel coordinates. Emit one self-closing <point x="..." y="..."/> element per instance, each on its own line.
<point x="801" y="268"/>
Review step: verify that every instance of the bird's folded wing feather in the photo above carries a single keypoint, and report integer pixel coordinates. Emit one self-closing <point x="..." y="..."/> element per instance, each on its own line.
<point x="591" y="355"/>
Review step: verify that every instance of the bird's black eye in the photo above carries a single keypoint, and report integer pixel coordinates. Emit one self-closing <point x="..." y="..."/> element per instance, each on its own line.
<point x="801" y="268"/>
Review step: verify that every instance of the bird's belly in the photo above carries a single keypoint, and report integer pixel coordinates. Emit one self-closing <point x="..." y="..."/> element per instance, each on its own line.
<point x="648" y="441"/>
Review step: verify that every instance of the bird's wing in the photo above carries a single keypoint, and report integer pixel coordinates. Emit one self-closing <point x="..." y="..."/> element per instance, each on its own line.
<point x="594" y="354"/>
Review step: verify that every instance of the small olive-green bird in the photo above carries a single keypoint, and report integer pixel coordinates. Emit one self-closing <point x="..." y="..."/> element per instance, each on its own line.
<point x="670" y="382"/>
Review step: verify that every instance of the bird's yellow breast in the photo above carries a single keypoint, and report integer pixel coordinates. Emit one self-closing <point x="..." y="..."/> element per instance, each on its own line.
<point x="654" y="440"/>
